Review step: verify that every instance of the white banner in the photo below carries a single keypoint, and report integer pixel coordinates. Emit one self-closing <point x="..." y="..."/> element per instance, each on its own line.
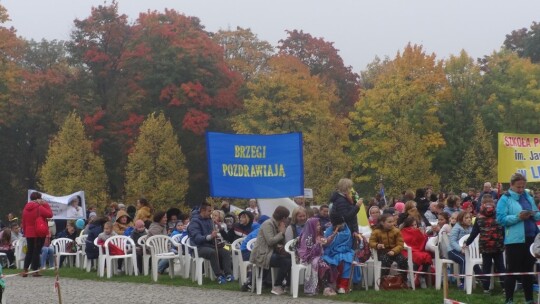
<point x="72" y="206"/>
<point x="268" y="205"/>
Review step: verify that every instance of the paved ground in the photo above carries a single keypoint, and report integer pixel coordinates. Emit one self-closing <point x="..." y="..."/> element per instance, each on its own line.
<point x="41" y="290"/>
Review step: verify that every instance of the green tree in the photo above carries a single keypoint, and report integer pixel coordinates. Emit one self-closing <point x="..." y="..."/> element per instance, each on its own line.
<point x="72" y="166"/>
<point x="457" y="114"/>
<point x="526" y="43"/>
<point x="156" y="168"/>
<point x="408" y="91"/>
<point x="480" y="162"/>
<point x="511" y="90"/>
<point x="288" y="99"/>
<point x="402" y="169"/>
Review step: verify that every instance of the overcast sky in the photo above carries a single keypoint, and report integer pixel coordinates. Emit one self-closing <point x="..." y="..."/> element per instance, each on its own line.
<point x="360" y="29"/>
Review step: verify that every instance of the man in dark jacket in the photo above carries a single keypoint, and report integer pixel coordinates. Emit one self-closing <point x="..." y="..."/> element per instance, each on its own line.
<point x="203" y="235"/>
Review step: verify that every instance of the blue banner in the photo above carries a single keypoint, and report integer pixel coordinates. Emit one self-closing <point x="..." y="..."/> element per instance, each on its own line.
<point x="255" y="166"/>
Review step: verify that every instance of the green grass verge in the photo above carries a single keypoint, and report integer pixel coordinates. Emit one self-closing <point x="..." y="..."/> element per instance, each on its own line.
<point x="359" y="295"/>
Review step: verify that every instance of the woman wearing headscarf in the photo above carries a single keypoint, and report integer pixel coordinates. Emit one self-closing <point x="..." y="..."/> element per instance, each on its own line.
<point x="34" y="209"/>
<point x="310" y="251"/>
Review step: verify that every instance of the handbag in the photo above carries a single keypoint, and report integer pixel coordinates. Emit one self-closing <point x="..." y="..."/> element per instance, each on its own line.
<point x="42" y="227"/>
<point x="390" y="282"/>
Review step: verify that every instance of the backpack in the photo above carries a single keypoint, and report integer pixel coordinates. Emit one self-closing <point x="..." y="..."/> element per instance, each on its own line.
<point x="363" y="252"/>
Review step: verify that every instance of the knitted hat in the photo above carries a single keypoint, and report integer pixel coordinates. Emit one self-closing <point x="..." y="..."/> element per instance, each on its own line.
<point x="400" y="207"/>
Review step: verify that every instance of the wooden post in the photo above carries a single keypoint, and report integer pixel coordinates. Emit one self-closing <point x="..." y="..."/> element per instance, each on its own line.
<point x="57" y="282"/>
<point x="445" y="282"/>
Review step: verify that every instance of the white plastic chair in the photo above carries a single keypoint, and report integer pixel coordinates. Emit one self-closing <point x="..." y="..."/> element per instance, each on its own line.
<point x="238" y="262"/>
<point x="472" y="258"/>
<point x="186" y="255"/>
<point x="145" y="256"/>
<point x="377" y="265"/>
<point x="61" y="246"/>
<point x="441" y="262"/>
<point x="410" y="265"/>
<point x="531" y="250"/>
<point x="81" y="251"/>
<point x="101" y="259"/>
<point x="177" y="243"/>
<point x="19" y="252"/>
<point x="197" y="264"/>
<point x="127" y="245"/>
<point x="257" y="272"/>
<point x="297" y="269"/>
<point x="160" y="249"/>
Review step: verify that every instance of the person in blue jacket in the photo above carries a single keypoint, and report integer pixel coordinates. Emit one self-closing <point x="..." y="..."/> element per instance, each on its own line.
<point x="518" y="214"/>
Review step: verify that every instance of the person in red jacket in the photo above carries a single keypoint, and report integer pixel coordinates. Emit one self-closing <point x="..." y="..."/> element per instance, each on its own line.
<point x="34" y="208"/>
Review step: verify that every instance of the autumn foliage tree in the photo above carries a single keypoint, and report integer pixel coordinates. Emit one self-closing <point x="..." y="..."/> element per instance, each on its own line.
<point x="244" y="52"/>
<point x="288" y="99"/>
<point x="323" y="60"/>
<point x="156" y="168"/>
<point x="525" y="42"/>
<point x="406" y="96"/>
<point x="71" y="165"/>
<point x="164" y="61"/>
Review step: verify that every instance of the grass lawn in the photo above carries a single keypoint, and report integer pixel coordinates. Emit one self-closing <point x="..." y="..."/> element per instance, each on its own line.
<point x="427" y="296"/>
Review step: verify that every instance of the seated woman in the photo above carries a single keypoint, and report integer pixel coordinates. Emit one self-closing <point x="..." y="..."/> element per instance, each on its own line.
<point x="269" y="248"/>
<point x="310" y="251"/>
<point x="71" y="233"/>
<point x="47" y="252"/>
<point x="338" y="252"/>
<point x="6" y="246"/>
<point x="298" y="220"/>
<point x="456" y="252"/>
<point x="387" y="240"/>
<point x="414" y="238"/>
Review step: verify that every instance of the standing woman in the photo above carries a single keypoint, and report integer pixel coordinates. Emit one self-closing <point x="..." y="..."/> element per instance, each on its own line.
<point x="35" y="208"/>
<point x="518" y="214"/>
<point x="344" y="206"/>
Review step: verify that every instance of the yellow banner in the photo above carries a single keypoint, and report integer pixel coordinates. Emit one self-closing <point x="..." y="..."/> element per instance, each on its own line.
<point x="519" y="153"/>
<point x="361" y="216"/>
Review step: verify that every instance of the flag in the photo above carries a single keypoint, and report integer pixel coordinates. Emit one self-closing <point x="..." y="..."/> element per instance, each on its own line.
<point x="383" y="195"/>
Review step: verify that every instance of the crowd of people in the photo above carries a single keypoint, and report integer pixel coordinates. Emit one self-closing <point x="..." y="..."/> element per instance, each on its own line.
<point x="327" y="238"/>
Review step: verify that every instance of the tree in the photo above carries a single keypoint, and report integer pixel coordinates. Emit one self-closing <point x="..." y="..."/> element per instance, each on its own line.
<point x="156" y="168"/>
<point x="480" y="162"/>
<point x="526" y="43"/>
<point x="409" y="91"/>
<point x="163" y="61"/>
<point x="288" y="99"/>
<point x="457" y="114"/>
<point x="323" y="60"/>
<point x="407" y="166"/>
<point x="511" y="90"/>
<point x="244" y="52"/>
<point x="71" y="165"/>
